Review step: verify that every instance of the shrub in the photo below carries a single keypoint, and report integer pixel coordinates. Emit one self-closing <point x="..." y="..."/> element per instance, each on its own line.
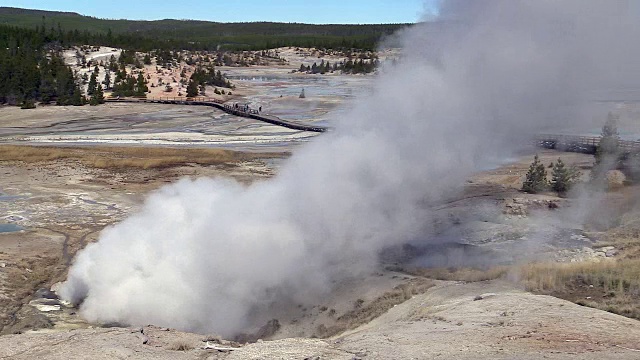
<point x="180" y="345"/>
<point x="615" y="179"/>
<point x="28" y="104"/>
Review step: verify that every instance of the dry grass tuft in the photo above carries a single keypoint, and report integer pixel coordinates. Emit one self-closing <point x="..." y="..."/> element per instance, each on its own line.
<point x="364" y="313"/>
<point x="31" y="153"/>
<point x="181" y="345"/>
<point x="611" y="285"/>
<point x="625" y="238"/>
<point x="30" y="274"/>
<point x="23" y="279"/>
<point x="621" y="275"/>
<point x="615" y="179"/>
<point x="461" y="274"/>
<point x="115" y="157"/>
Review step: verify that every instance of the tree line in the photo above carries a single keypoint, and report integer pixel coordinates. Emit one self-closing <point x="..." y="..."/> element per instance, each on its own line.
<point x="562" y="177"/>
<point x="194" y="35"/>
<point x="205" y="76"/>
<point x="349" y="66"/>
<point x="29" y="73"/>
<point x="32" y="68"/>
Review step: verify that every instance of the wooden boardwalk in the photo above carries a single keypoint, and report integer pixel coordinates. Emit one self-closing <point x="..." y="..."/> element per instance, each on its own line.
<point x="582" y="144"/>
<point x="237" y="110"/>
<point x="570" y="143"/>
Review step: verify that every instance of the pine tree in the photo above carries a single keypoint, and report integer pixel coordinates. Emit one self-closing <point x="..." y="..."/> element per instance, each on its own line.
<point x="608" y="145"/>
<point x="113" y="64"/>
<point x="608" y="150"/>
<point x="536" y="178"/>
<point x="120" y="75"/>
<point x="141" y="86"/>
<point x="93" y="82"/>
<point x="192" y="89"/>
<point x="99" y="94"/>
<point x="107" y="81"/>
<point x="28" y="104"/>
<point x="97" y="97"/>
<point x="77" y="99"/>
<point x="47" y="89"/>
<point x="562" y="177"/>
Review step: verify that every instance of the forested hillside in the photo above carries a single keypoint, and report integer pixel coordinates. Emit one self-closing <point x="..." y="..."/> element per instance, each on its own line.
<point x="29" y="73"/>
<point x="196" y="35"/>
<point x="32" y="70"/>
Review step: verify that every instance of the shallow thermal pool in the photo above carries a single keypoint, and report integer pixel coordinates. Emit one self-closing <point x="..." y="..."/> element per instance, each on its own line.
<point x="8" y="228"/>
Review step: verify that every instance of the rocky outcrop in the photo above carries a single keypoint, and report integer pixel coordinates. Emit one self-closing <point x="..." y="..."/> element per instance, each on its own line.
<point x="521" y="206"/>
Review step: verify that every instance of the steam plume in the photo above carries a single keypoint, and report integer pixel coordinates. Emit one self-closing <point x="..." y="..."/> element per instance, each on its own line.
<point x="205" y="255"/>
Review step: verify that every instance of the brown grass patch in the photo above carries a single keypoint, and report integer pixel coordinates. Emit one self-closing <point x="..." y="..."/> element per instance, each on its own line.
<point x="23" y="279"/>
<point x="181" y="345"/>
<point x="625" y="238"/>
<point x="31" y="153"/>
<point x="30" y="274"/>
<point x="460" y="274"/>
<point x="115" y="157"/>
<point x="611" y="285"/>
<point x="610" y="275"/>
<point x="364" y="313"/>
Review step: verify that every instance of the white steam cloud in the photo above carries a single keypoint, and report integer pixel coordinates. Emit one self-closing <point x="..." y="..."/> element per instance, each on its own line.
<point x="210" y="254"/>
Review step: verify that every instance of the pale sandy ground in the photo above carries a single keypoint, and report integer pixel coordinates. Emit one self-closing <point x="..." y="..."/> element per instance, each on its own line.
<point x="448" y="322"/>
<point x="166" y="139"/>
<point x="102" y="54"/>
<point x="44" y="116"/>
<point x="141" y="124"/>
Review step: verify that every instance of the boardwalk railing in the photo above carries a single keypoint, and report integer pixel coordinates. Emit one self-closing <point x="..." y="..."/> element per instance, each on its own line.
<point x="582" y="144"/>
<point x="235" y="109"/>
